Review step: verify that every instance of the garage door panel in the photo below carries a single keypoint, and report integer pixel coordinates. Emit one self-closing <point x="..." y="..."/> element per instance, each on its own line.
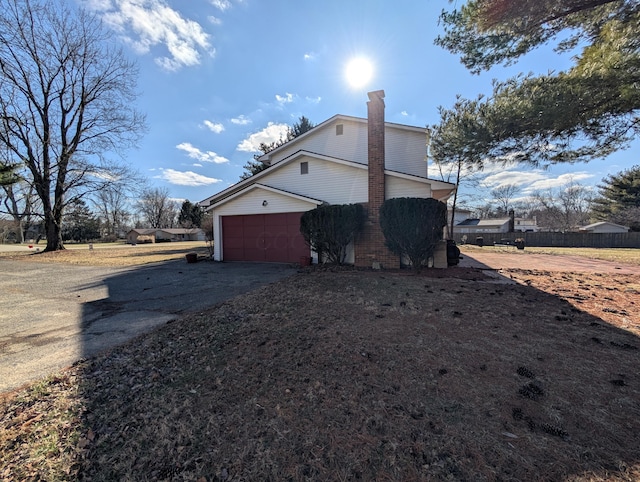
<point x="263" y="237"/>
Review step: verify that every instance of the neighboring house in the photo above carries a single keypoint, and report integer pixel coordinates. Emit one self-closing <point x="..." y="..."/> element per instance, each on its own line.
<point x="482" y="226"/>
<point x="604" y="227"/>
<point x="166" y="234"/>
<point x="526" y="225"/>
<point x="341" y="161"/>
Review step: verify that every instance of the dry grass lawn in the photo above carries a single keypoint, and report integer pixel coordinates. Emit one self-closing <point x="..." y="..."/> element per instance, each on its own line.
<point x="355" y="375"/>
<point x="111" y="254"/>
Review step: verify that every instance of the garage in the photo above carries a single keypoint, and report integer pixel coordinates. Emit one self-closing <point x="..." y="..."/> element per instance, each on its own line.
<point x="263" y="237"/>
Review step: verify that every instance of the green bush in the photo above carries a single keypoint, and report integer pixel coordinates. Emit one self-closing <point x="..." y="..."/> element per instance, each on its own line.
<point x="329" y="229"/>
<point x="412" y="227"/>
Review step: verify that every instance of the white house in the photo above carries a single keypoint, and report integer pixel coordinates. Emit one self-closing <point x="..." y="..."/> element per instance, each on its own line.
<point x="341" y="161"/>
<point x="604" y="227"/>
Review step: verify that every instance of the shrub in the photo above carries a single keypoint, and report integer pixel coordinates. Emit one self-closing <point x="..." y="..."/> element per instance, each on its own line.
<point x="329" y="229"/>
<point x="412" y="227"/>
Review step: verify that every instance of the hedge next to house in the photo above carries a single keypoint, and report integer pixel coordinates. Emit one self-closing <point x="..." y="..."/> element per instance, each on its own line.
<point x="329" y="229"/>
<point x="412" y="227"/>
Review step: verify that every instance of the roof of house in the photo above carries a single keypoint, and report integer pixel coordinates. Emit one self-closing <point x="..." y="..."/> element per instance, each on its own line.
<point x="483" y="222"/>
<point x="145" y="231"/>
<point x="589" y="227"/>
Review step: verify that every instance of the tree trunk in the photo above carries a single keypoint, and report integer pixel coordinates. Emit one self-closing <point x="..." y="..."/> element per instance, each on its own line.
<point x="54" y="234"/>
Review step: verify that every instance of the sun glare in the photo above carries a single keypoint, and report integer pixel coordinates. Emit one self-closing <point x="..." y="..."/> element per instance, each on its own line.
<point x="359" y="72"/>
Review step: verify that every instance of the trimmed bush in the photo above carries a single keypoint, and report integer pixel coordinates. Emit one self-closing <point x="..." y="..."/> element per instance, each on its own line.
<point x="329" y="229"/>
<point x="412" y="227"/>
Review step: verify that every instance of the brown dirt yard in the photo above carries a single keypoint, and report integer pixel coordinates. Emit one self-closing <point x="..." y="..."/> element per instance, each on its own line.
<point x="471" y="373"/>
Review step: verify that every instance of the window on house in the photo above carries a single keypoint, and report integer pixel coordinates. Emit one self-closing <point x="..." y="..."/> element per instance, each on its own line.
<point x="304" y="168"/>
<point x="339" y="129"/>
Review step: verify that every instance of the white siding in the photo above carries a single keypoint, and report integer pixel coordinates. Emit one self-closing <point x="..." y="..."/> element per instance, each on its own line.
<point x="327" y="181"/>
<point x="398" y="187"/>
<point x="351" y="145"/>
<point x="405" y="151"/>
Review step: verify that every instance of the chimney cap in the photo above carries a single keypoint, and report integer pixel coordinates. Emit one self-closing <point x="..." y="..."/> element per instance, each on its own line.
<point x="376" y="95"/>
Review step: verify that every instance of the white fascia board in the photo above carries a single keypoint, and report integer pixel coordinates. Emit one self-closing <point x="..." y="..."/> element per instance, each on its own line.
<point x="317" y="202"/>
<point x="435" y="185"/>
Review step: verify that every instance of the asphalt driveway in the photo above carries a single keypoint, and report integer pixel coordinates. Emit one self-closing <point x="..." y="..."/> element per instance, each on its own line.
<point x="52" y="315"/>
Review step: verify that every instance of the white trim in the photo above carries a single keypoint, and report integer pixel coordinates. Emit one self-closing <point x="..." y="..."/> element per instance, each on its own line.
<point x="265" y="188"/>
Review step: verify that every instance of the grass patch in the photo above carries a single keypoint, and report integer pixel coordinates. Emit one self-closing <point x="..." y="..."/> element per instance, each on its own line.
<point x="111" y="254"/>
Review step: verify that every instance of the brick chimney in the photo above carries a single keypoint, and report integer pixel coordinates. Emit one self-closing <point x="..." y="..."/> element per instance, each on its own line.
<point x="370" y="250"/>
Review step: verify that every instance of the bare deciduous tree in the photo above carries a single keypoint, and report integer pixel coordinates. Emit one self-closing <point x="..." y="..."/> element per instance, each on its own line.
<point x="157" y="208"/>
<point x="66" y="99"/>
<point x="564" y="208"/>
<point x="503" y="195"/>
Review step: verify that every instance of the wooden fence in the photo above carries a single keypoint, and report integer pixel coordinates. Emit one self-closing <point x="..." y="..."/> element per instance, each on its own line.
<point x="559" y="240"/>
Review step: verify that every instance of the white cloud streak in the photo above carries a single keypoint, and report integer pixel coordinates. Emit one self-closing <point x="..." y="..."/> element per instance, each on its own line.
<point x="241" y="120"/>
<point x="214" y="127"/>
<point x="284" y="99"/>
<point x="144" y="24"/>
<point x="221" y="5"/>
<point x="186" y="178"/>
<point x="272" y="133"/>
<point x="203" y="156"/>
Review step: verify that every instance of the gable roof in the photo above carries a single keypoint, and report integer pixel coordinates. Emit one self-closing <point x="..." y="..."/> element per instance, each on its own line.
<point x="266" y="188"/>
<point x="589" y="227"/>
<point x="484" y="222"/>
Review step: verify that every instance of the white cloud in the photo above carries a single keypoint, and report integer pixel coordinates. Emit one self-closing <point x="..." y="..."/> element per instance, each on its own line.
<point x="404" y="113"/>
<point x="531" y="180"/>
<point x="214" y="127"/>
<point x="214" y="20"/>
<point x="502" y="177"/>
<point x="272" y="133"/>
<point x="560" y="181"/>
<point x="186" y="178"/>
<point x="284" y="99"/>
<point x="221" y="5"/>
<point x="147" y="23"/>
<point x="314" y="100"/>
<point x="309" y="56"/>
<point x="203" y="156"/>
<point x="241" y="120"/>
<point x="195" y="164"/>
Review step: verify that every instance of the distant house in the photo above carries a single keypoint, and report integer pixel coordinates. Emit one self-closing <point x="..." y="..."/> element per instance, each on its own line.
<point x="604" y="227"/>
<point x="140" y="235"/>
<point x="482" y="226"/>
<point x="525" y="225"/>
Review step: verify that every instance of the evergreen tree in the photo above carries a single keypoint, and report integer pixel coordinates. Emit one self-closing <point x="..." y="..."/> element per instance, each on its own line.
<point x="619" y="199"/>
<point x="190" y="215"/>
<point x="583" y="113"/>
<point x="79" y="224"/>
<point x="413" y="227"/>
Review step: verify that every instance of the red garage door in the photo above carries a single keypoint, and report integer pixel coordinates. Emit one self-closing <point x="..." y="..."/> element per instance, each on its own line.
<point x="263" y="237"/>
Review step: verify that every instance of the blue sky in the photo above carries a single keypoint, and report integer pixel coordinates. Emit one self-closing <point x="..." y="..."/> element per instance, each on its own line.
<point x="217" y="77"/>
